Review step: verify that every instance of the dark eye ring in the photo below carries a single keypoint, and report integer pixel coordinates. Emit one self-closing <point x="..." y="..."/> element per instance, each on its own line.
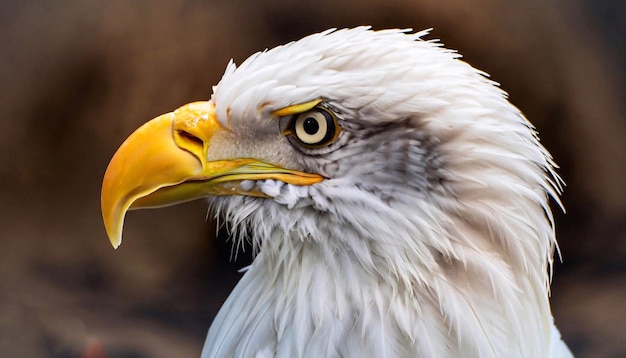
<point x="314" y="128"/>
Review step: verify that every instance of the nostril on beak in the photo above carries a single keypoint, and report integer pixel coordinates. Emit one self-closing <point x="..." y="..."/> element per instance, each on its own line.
<point x="190" y="138"/>
<point x="189" y="142"/>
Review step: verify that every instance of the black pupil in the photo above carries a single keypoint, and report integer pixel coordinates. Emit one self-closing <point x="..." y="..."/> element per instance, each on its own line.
<point x="310" y="126"/>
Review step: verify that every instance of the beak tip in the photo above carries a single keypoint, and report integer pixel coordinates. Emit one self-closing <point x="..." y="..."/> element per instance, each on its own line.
<point x="114" y="236"/>
<point x="115" y="241"/>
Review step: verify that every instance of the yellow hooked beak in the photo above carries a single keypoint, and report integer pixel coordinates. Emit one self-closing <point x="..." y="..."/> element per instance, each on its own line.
<point x="164" y="162"/>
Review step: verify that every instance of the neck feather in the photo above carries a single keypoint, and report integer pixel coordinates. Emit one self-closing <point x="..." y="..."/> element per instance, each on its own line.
<point x="393" y="283"/>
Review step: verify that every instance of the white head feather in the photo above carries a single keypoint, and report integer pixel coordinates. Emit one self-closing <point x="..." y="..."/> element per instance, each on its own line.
<point x="432" y="235"/>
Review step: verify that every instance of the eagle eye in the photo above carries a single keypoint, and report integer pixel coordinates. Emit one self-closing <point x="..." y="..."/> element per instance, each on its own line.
<point x="314" y="128"/>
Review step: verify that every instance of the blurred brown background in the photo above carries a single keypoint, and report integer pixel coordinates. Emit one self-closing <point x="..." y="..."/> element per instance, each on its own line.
<point x="76" y="77"/>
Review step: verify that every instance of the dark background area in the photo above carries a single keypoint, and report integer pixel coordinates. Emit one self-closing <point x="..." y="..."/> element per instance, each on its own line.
<point x="77" y="77"/>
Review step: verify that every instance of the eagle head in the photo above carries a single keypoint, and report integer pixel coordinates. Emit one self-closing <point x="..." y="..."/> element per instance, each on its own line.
<point x="397" y="201"/>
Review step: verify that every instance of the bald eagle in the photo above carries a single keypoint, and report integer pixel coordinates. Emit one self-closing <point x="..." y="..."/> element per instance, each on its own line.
<point x="398" y="202"/>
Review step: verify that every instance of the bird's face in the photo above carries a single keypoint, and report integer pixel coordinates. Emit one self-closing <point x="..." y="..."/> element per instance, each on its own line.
<point x="374" y="166"/>
<point x="375" y="118"/>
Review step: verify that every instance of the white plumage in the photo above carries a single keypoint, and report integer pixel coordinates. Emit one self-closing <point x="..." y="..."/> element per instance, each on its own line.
<point x="431" y="234"/>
